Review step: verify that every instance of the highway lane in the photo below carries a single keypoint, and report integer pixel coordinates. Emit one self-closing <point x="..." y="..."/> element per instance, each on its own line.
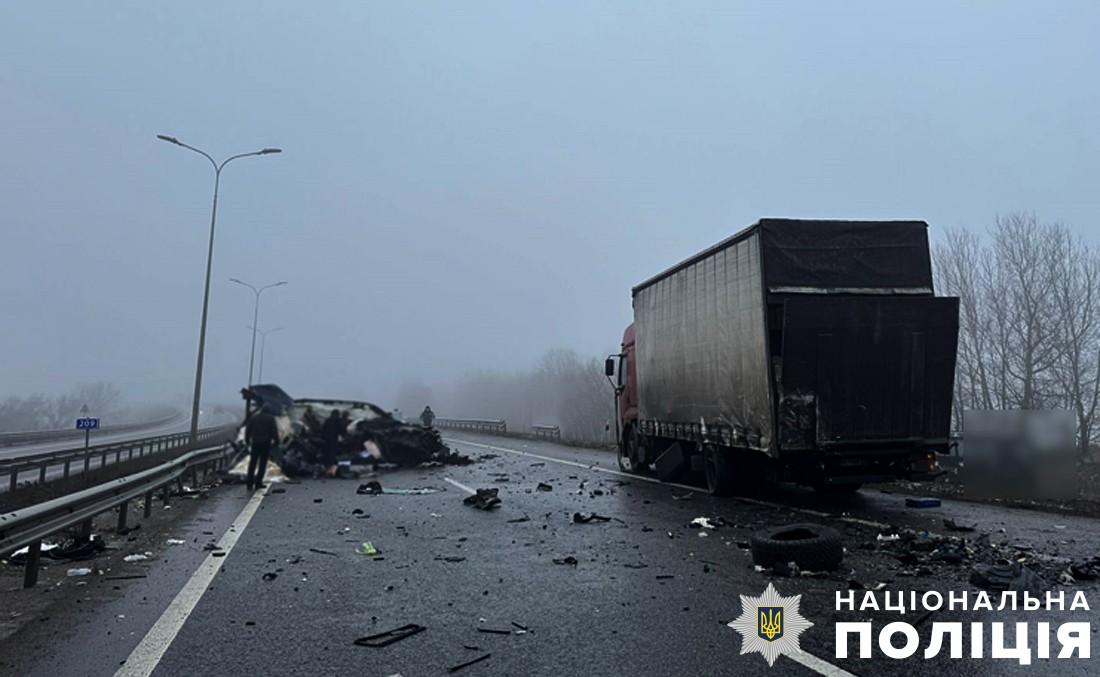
<point x="648" y="595"/>
<point x="206" y="419"/>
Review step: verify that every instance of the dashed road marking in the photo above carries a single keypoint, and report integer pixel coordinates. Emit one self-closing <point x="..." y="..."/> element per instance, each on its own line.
<point x="146" y="656"/>
<point x="460" y="485"/>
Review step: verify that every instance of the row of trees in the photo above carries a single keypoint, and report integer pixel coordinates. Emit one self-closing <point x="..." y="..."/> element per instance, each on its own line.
<point x="43" y="412"/>
<point x="1029" y="315"/>
<point x="563" y="389"/>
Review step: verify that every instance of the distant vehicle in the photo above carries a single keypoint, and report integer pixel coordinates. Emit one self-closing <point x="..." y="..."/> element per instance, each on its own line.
<point x="806" y="351"/>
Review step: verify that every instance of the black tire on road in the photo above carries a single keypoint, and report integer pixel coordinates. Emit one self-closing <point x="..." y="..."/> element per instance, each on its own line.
<point x="811" y="546"/>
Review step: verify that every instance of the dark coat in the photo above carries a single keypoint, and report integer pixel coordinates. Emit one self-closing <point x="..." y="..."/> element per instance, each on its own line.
<point x="332" y="429"/>
<point x="261" y="430"/>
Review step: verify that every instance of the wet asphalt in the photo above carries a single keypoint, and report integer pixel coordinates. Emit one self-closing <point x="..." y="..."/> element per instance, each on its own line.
<point x="647" y="595"/>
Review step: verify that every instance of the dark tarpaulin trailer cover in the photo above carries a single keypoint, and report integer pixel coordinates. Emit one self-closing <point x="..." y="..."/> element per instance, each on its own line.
<point x="701" y="326"/>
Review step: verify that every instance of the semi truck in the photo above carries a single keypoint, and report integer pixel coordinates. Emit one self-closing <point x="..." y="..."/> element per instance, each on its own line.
<point x="805" y="351"/>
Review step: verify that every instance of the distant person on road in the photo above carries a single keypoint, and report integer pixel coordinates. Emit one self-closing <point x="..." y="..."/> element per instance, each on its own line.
<point x="331" y="432"/>
<point x="261" y="434"/>
<point x="427" y="416"/>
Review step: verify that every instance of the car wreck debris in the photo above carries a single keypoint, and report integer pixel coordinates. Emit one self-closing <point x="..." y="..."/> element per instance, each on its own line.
<point x="456" y="668"/>
<point x="1001" y="577"/>
<point x="367" y="435"/>
<point x="484" y="499"/>
<point x="585" y="518"/>
<point x="390" y="636"/>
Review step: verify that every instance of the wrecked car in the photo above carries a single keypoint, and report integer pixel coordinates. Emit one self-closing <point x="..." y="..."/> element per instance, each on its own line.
<point x="369" y="434"/>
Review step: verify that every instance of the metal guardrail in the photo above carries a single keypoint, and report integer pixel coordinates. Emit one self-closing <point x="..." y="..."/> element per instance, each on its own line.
<point x="476" y="424"/>
<point x="34" y="436"/>
<point x="121" y="451"/>
<point x="550" y="431"/>
<point x="29" y="526"/>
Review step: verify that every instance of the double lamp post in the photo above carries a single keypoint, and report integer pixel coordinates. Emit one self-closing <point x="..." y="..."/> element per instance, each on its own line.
<point x="209" y="261"/>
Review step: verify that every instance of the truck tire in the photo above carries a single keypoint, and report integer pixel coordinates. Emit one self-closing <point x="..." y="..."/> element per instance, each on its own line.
<point x="629" y="451"/>
<point x="718" y="468"/>
<point x="811" y="546"/>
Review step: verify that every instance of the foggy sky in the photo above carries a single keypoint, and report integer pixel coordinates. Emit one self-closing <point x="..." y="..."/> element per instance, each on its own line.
<point x="468" y="184"/>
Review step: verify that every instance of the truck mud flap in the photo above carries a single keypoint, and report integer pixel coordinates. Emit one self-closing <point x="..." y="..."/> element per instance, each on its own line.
<point x="671" y="462"/>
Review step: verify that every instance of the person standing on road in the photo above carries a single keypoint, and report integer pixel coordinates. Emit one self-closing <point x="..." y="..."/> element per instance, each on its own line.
<point x="427" y="416"/>
<point x="331" y="432"/>
<point x="261" y="434"/>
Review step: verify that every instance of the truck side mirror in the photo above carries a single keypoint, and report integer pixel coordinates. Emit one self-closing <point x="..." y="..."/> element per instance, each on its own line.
<point x="609" y="367"/>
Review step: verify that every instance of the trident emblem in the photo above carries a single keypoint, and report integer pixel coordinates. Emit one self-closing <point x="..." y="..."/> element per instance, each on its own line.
<point x="771" y="622"/>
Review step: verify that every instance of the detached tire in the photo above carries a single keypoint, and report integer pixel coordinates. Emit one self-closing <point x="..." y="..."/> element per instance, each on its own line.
<point x="811" y="546"/>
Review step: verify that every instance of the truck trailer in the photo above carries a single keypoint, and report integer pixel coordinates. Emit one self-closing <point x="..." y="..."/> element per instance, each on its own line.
<point x="813" y="352"/>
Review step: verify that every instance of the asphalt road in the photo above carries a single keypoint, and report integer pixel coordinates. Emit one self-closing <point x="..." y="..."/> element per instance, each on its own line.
<point x="648" y="595"/>
<point x="206" y="419"/>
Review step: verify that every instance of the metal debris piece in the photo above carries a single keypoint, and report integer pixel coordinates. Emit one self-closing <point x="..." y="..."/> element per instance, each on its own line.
<point x="567" y="560"/>
<point x="390" y="636"/>
<point x="456" y="668"/>
<point x="484" y="499"/>
<point x="585" y="518"/>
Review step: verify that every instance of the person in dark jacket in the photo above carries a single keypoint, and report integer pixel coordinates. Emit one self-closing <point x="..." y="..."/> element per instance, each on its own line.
<point x="261" y="434"/>
<point x="427" y="416"/>
<point x="331" y="432"/>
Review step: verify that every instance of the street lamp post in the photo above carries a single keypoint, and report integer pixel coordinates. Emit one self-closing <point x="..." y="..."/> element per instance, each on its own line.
<point x="255" y="319"/>
<point x="209" y="261"/>
<point x="263" y="344"/>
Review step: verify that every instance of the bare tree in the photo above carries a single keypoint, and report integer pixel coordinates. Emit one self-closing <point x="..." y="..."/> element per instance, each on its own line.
<point x="1077" y="303"/>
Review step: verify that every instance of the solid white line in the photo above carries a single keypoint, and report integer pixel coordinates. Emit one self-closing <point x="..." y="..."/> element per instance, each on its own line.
<point x="632" y="476"/>
<point x="817" y="665"/>
<point x="460" y="485"/>
<point x="146" y="656"/>
<point x="609" y="471"/>
<point x="804" y="659"/>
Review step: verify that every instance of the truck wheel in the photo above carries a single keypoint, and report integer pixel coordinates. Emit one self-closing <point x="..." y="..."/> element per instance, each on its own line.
<point x="811" y="546"/>
<point x="628" y="457"/>
<point x="719" y="471"/>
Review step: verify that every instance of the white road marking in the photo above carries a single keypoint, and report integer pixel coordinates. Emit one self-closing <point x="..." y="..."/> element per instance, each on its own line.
<point x="819" y="666"/>
<point x="632" y="476"/>
<point x="804" y="659"/>
<point x="146" y="656"/>
<point x="460" y="485"/>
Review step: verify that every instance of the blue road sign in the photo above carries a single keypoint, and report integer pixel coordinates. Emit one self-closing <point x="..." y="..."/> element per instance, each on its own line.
<point x="87" y="423"/>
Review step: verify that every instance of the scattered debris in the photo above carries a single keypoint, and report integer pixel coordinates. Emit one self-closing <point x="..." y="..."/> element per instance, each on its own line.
<point x="125" y="578"/>
<point x="83" y="571"/>
<point x="517" y="520"/>
<point x="665" y="577"/>
<point x="1001" y="577"/>
<point x="543" y="486"/>
<point x="567" y="560"/>
<point x="375" y="488"/>
<point x="134" y="558"/>
<point x="685" y="497"/>
<point x="390" y="636"/>
<point x="585" y="518"/>
<point x="175" y="541"/>
<point x="524" y="628"/>
<point x="322" y="552"/>
<point x="887" y="539"/>
<point x="636" y="566"/>
<point x="951" y="525"/>
<point x="451" y="558"/>
<point x="484" y="499"/>
<point x="367" y="548"/>
<point x="456" y="668"/>
<point x="494" y="631"/>
<point x="270" y="576"/>
<point x="702" y="523"/>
